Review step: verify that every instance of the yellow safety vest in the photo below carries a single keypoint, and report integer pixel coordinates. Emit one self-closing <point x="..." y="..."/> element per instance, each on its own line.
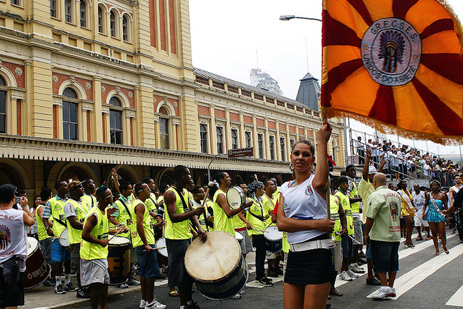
<point x="57" y="212"/>
<point x="81" y="210"/>
<point x="147" y="226"/>
<point x="91" y="251"/>
<point x="41" y="231"/>
<point x="178" y="230"/>
<point x="348" y="211"/>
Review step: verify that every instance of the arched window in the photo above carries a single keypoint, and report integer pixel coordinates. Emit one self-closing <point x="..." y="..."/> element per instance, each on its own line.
<point x="126" y="28"/>
<point x="83" y="14"/>
<point x="70" y="125"/>
<point x="101" y="20"/>
<point x="68" y="11"/>
<point x="115" y="121"/>
<point x="112" y="22"/>
<point x="2" y="107"/>
<point x="164" y="128"/>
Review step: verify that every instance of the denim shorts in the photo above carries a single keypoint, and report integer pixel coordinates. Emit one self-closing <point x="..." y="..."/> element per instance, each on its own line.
<point x="384" y="256"/>
<point x="45" y="246"/>
<point x="347" y="247"/>
<point x="147" y="261"/>
<point x="59" y="254"/>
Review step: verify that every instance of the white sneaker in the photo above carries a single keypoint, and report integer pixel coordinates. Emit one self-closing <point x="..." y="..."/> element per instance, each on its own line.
<point x="344" y="276"/>
<point x="142" y="304"/>
<point x="391" y="293"/>
<point x="382" y="292"/>
<point x="154" y="305"/>
<point x="356" y="269"/>
<point x="351" y="274"/>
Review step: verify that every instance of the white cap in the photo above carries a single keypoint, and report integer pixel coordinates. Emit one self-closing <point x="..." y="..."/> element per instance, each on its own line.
<point x="372" y="170"/>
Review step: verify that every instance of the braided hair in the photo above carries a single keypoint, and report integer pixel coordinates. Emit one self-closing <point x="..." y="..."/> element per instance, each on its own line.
<point x="253" y="187"/>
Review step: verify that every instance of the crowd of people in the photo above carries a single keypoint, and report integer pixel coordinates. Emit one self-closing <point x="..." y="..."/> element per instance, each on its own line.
<point x="318" y="244"/>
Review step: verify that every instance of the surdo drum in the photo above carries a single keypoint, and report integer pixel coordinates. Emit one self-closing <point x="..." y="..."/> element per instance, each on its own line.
<point x="235" y="197"/>
<point x="118" y="259"/>
<point x="273" y="239"/>
<point x="37" y="268"/>
<point x="217" y="265"/>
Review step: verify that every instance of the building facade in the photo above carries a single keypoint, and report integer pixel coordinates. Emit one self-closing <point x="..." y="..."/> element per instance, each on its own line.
<point x="86" y="86"/>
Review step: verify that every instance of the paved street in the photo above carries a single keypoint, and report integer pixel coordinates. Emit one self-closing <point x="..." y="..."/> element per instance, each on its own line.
<point x="424" y="281"/>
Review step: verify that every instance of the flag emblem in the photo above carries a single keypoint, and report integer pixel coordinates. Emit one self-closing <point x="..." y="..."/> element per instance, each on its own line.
<point x="391" y="51"/>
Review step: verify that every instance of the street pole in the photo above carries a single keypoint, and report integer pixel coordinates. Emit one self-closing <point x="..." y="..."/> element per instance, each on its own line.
<point x="209" y="168"/>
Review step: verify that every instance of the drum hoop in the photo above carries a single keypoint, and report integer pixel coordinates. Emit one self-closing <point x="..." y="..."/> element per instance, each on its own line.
<point x="33" y="251"/>
<point x="120" y="245"/>
<point x="34" y="286"/>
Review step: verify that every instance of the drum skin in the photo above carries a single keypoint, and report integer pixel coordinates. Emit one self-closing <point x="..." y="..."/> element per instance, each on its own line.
<point x="163" y="256"/>
<point x="37" y="268"/>
<point x="235" y="197"/>
<point x="64" y="238"/>
<point x="217" y="265"/>
<point x="273" y="239"/>
<point x="118" y="260"/>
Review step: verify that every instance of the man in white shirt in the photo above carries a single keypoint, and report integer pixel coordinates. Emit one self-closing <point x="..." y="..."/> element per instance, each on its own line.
<point x="418" y="200"/>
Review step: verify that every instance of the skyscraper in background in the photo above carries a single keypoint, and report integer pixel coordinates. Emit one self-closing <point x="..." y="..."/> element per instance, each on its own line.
<point x="263" y="80"/>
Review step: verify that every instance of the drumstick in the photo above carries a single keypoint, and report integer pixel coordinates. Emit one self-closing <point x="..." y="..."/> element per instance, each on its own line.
<point x="57" y="237"/>
<point x="114" y="235"/>
<point x="155" y="248"/>
<point x="255" y="177"/>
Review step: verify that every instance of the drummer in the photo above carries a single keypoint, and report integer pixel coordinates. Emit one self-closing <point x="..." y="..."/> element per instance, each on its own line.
<point x="13" y="247"/>
<point x="45" y="240"/>
<point x="198" y="196"/>
<point x="143" y="242"/>
<point x="75" y="210"/>
<point x="123" y="216"/>
<point x="178" y="237"/>
<point x="268" y="201"/>
<point x="223" y="214"/>
<point x="89" y="196"/>
<point x="94" y="248"/>
<point x="55" y="208"/>
<point x="257" y="215"/>
<point x="242" y="225"/>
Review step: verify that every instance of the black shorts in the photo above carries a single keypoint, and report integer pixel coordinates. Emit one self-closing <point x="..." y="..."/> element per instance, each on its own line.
<point x="310" y="267"/>
<point x="12" y="283"/>
<point x="384" y="256"/>
<point x="178" y="276"/>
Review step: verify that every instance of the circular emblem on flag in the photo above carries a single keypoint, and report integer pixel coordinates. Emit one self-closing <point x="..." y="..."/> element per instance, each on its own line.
<point x="391" y="51"/>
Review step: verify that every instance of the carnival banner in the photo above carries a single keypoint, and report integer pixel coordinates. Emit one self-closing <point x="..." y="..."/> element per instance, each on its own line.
<point x="395" y="65"/>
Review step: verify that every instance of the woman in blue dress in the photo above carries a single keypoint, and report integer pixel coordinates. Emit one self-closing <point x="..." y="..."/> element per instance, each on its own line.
<point x="435" y="203"/>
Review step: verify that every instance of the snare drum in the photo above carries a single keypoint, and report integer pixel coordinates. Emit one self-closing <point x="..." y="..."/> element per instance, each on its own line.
<point x="217" y="265"/>
<point x="235" y="197"/>
<point x="273" y="239"/>
<point x="162" y="251"/>
<point x="64" y="238"/>
<point x="118" y="259"/>
<point x="37" y="268"/>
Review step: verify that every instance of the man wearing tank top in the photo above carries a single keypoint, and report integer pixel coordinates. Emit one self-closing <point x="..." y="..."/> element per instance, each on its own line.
<point x="457" y="216"/>
<point x="13" y="247"/>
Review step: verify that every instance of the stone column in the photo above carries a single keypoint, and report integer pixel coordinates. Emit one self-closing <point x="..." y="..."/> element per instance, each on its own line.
<point x="212" y="131"/>
<point x="97" y="134"/>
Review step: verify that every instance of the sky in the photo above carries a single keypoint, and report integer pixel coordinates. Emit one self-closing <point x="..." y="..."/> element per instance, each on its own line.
<point x="229" y="38"/>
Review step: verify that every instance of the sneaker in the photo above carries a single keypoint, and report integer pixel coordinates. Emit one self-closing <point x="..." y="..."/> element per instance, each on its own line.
<point x="236" y="296"/>
<point x="391" y="293"/>
<point x="193" y="305"/>
<point x="154" y="305"/>
<point x="356" y="269"/>
<point x="70" y="287"/>
<point x="133" y="281"/>
<point x="123" y="286"/>
<point x="82" y="294"/>
<point x="382" y="292"/>
<point x="265" y="282"/>
<point x="59" y="289"/>
<point x="374" y="281"/>
<point x="142" y="304"/>
<point x="344" y="276"/>
<point x="352" y="274"/>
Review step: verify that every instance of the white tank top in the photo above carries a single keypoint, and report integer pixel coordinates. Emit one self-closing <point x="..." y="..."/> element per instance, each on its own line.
<point x="13" y="238"/>
<point x="304" y="203"/>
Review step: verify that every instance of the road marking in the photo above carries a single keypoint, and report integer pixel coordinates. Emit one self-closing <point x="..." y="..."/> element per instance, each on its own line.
<point x="406" y="282"/>
<point x="402" y="254"/>
<point x="456" y="299"/>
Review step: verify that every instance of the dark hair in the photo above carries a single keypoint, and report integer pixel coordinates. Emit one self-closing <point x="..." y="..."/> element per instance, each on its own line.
<point x="253" y="186"/>
<point x="307" y="142"/>
<point x="124" y="185"/>
<point x="86" y="182"/>
<point x="219" y="176"/>
<point x="213" y="190"/>
<point x="7" y="192"/>
<point x="100" y="193"/>
<point x="196" y="189"/>
<point x="146" y="180"/>
<point x="45" y="194"/>
<point x="21" y="192"/>
<point x="35" y="197"/>
<point x="58" y="184"/>
<point x="178" y="172"/>
<point x="342" y="179"/>
<point x="138" y="188"/>
<point x="349" y="167"/>
<point x="163" y="187"/>
<point x="74" y="185"/>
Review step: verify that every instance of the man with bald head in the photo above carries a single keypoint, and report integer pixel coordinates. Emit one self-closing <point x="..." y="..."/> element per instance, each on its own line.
<point x="382" y="232"/>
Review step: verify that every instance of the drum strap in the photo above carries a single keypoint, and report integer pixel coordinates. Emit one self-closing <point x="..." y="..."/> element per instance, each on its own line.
<point x="261" y="218"/>
<point x="186" y="209"/>
<point x="126" y="208"/>
<point x="153" y="202"/>
<point x="60" y="222"/>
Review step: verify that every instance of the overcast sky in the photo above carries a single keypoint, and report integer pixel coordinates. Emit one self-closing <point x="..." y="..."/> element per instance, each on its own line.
<point x="230" y="38"/>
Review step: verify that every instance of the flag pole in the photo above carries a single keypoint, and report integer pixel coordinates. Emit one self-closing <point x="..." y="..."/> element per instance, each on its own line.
<point x="328" y="185"/>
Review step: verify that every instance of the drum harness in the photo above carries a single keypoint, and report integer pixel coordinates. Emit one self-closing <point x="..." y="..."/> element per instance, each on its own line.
<point x="186" y="209"/>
